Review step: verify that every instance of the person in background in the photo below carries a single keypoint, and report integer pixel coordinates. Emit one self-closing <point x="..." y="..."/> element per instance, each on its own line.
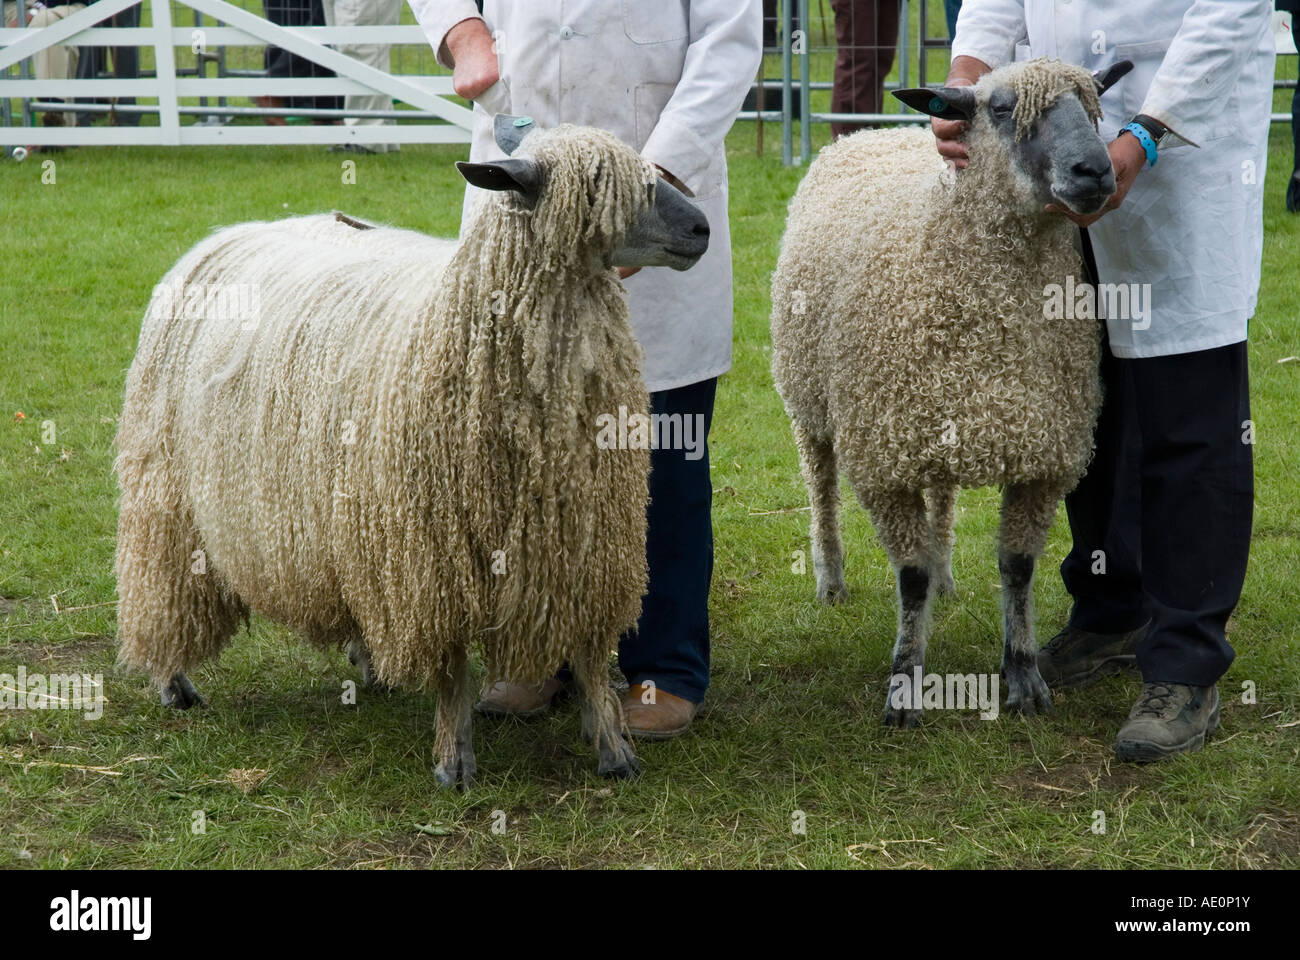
<point x="950" y="10"/>
<point x="866" y="32"/>
<point x="126" y="66"/>
<point x="1293" y="185"/>
<point x="668" y="79"/>
<point x="282" y="63"/>
<point x="1161" y="521"/>
<point x="356" y="13"/>
<point x="53" y="63"/>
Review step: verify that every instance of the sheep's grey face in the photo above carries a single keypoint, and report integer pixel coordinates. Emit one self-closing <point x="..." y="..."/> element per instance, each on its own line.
<point x="1061" y="160"/>
<point x="670" y="232"/>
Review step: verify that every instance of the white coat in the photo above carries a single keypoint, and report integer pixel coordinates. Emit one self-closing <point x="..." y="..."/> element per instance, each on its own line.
<point x="667" y="77"/>
<point x="1192" y="226"/>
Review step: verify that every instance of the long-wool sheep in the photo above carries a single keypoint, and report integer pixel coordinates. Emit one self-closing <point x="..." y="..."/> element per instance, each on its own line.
<point x="912" y="350"/>
<point x="400" y="446"/>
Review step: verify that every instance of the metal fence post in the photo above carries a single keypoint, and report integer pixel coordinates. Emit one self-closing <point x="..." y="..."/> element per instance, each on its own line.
<point x="805" y="87"/>
<point x="787" y="125"/>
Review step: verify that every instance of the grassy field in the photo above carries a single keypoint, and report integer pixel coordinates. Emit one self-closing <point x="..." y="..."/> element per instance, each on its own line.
<point x="286" y="776"/>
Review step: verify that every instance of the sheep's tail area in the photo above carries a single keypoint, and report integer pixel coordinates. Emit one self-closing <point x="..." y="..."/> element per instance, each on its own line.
<point x="171" y="615"/>
<point x="511" y="529"/>
<point x="240" y="404"/>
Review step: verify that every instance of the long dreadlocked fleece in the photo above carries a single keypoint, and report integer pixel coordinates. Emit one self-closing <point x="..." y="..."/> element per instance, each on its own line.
<point x="401" y="445"/>
<point x="908" y="323"/>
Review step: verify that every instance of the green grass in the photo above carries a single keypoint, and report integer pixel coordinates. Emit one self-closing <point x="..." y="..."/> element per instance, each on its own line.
<point x="793" y="717"/>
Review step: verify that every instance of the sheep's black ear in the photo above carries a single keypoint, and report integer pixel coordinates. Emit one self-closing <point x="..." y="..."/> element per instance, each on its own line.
<point x="519" y="174"/>
<point x="1105" y="79"/>
<point x="946" y="103"/>
<point x="509" y="131"/>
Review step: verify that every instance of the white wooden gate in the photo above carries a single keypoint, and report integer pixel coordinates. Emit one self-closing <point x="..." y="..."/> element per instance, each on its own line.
<point x="425" y="93"/>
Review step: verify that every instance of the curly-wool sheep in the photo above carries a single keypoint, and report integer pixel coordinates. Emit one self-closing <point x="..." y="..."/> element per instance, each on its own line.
<point x="400" y="449"/>
<point x="912" y="350"/>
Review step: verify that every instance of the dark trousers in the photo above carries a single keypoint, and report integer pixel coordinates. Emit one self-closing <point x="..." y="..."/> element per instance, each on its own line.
<point x="866" y="32"/>
<point x="1161" y="521"/>
<point x="1295" y="97"/>
<point x="282" y="63"/>
<point x="126" y="66"/>
<point x="671" y="643"/>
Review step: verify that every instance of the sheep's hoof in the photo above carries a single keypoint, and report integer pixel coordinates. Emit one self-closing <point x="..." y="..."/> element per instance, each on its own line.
<point x="459" y="770"/>
<point x="180" y="693"/>
<point x="901" y="718"/>
<point x="619" y="762"/>
<point x="1027" y="692"/>
<point x="832" y="594"/>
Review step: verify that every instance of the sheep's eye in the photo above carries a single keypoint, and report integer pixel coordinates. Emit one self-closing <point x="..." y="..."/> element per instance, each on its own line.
<point x="1001" y="111"/>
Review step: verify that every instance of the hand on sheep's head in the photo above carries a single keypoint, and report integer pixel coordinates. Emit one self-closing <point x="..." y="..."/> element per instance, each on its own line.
<point x="949" y="134"/>
<point x="1128" y="158"/>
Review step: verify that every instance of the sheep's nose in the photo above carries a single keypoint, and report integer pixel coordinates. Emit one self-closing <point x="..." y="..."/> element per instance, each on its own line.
<point x="1094" y="168"/>
<point x="701" y="229"/>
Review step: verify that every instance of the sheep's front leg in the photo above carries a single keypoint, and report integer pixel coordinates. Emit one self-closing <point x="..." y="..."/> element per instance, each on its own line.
<point x="602" y="720"/>
<point x="820" y="473"/>
<point x="453" y="723"/>
<point x="1027" y="512"/>
<point x="904" y="529"/>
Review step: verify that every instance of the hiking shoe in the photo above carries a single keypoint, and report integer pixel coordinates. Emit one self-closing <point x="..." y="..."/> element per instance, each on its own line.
<point x="1076" y="658"/>
<point x="1168" y="718"/>
<point x="1293" y="193"/>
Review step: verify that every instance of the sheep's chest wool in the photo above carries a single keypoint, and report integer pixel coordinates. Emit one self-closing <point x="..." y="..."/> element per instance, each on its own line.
<point x="958" y="374"/>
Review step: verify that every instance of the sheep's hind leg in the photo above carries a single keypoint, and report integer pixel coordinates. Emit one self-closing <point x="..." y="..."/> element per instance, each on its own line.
<point x="941" y="503"/>
<point x="453" y="724"/>
<point x="820" y="473"/>
<point x="1027" y="512"/>
<point x="602" y="721"/>
<point x="904" y="529"/>
<point x="179" y="692"/>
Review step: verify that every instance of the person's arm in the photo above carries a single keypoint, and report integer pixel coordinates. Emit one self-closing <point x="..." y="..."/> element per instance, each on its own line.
<point x="986" y="37"/>
<point x="461" y="41"/>
<point x="1212" y="45"/>
<point x="722" y="60"/>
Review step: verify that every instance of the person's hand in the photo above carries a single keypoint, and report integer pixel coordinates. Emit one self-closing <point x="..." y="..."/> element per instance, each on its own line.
<point x="1128" y="158"/>
<point x="964" y="72"/>
<point x="474" y="61"/>
<point x="625" y="272"/>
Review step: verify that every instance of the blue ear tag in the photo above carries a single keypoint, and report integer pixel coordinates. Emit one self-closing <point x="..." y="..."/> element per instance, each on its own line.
<point x="523" y="121"/>
<point x="938" y="104"/>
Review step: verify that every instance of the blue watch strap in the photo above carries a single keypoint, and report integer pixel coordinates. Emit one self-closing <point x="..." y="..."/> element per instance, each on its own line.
<point x="1144" y="138"/>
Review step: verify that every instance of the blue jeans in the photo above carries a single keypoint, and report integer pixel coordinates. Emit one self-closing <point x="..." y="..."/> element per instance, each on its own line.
<point x="671" y="643"/>
<point x="950" y="10"/>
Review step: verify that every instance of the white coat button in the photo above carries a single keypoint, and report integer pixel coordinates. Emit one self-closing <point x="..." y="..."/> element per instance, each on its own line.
<point x="566" y="33"/>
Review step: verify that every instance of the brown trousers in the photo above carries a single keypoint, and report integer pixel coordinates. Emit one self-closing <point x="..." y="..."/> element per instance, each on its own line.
<point x="866" y="32"/>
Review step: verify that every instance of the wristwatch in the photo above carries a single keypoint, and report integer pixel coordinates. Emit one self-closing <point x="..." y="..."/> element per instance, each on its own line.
<point x="1150" y="133"/>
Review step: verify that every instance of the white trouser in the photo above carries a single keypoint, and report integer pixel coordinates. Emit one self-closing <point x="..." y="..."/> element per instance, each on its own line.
<point x="348" y="13"/>
<point x="53" y="63"/>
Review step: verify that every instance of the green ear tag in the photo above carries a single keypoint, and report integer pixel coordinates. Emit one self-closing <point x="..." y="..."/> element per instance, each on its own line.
<point x="523" y="121"/>
<point x="938" y="104"/>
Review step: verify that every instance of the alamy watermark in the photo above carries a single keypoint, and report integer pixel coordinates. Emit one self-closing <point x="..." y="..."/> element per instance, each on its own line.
<point x="651" y="431"/>
<point x="948" y="691"/>
<point x="1079" y="301"/>
<point x="209" y="301"/>
<point x="55" y="691"/>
